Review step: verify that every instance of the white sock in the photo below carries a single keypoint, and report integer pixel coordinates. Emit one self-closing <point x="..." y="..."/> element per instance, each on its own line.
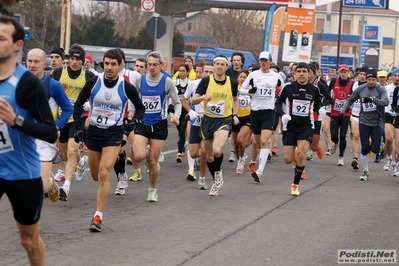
<point x="264" y="153"/>
<point x="190" y="161"/>
<point x="99" y="214"/>
<point x="138" y="170"/>
<point x="67" y="182"/>
<point x="389" y="157"/>
<point x="365" y="161"/>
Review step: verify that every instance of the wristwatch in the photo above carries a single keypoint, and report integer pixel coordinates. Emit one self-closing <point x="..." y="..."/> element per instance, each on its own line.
<point x="19" y="121"/>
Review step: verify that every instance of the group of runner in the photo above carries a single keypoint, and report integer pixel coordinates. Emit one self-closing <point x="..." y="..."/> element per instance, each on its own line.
<point x="206" y="101"/>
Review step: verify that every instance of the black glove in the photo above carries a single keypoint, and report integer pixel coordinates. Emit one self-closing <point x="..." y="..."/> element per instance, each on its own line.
<point x="252" y="90"/>
<point x="78" y="136"/>
<point x="171" y="108"/>
<point x="128" y="126"/>
<point x="341" y="115"/>
<point x="367" y="100"/>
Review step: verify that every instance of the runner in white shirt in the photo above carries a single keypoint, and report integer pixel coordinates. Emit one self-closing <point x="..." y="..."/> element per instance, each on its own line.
<point x="262" y="85"/>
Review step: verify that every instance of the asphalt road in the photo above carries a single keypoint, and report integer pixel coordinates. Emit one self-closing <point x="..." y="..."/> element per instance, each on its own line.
<point x="247" y="224"/>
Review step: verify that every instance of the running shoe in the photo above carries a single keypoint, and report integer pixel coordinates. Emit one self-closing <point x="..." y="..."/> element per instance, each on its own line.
<point x="269" y="156"/>
<point x="191" y="175"/>
<point x="152" y="195"/>
<point x="388" y="165"/>
<point x="365" y="176"/>
<point x="136" y="176"/>
<point x="328" y="152"/>
<point x="252" y="167"/>
<point x="340" y="161"/>
<point x="202" y="184"/>
<point x="179" y="158"/>
<point x="53" y="191"/>
<point x="303" y="176"/>
<point x="214" y="191"/>
<point x="83" y="149"/>
<point x="60" y="175"/>
<point x="218" y="179"/>
<point x="240" y="167"/>
<point x="257" y="176"/>
<point x="274" y="151"/>
<point x="129" y="161"/>
<point x="294" y="190"/>
<point x="334" y="148"/>
<point x="81" y="168"/>
<point x="121" y="184"/>
<point x="64" y="192"/>
<point x="161" y="157"/>
<point x="355" y="164"/>
<point x="395" y="170"/>
<point x="233" y="157"/>
<point x="377" y="158"/>
<point x="320" y="152"/>
<point x="309" y="156"/>
<point x="95" y="225"/>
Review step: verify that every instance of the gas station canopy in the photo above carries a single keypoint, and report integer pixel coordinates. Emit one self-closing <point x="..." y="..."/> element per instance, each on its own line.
<point x="181" y="7"/>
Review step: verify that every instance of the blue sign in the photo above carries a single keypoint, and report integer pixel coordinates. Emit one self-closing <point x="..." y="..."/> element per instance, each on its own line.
<point x="366" y="3"/>
<point x="28" y="35"/>
<point x="17" y="18"/>
<point x="371" y="33"/>
<point x="328" y="61"/>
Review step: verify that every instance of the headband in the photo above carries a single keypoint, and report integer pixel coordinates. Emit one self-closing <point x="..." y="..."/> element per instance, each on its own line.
<point x="222" y="59"/>
<point x="77" y="55"/>
<point x="394" y="71"/>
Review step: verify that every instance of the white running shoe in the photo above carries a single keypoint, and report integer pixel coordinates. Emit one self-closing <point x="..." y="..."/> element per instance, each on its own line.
<point x="214" y="191"/>
<point x="388" y="165"/>
<point x="218" y="179"/>
<point x="233" y="157"/>
<point x="80" y="173"/>
<point x="202" y="184"/>
<point x="340" y="161"/>
<point x="121" y="184"/>
<point x="60" y="175"/>
<point x="395" y="170"/>
<point x="64" y="192"/>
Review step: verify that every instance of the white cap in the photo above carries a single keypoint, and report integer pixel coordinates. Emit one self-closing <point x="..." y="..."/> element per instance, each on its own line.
<point x="265" y="55"/>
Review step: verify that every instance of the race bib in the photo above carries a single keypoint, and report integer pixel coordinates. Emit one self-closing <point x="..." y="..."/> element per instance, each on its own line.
<point x="300" y="107"/>
<point x="152" y="104"/>
<point x="328" y="108"/>
<point x="264" y="93"/>
<point x="357" y="104"/>
<point x="5" y="140"/>
<point x="369" y="107"/>
<point x="339" y="105"/>
<point x="197" y="122"/>
<point x="245" y="101"/>
<point x="216" y="109"/>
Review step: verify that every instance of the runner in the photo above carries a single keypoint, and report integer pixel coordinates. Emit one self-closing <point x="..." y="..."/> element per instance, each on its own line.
<point x="221" y="103"/>
<point x="303" y="99"/>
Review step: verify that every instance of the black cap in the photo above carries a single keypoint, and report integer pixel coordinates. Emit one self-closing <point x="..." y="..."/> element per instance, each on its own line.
<point x="58" y="50"/>
<point x="190" y="58"/>
<point x="122" y="54"/>
<point x="363" y="69"/>
<point x="313" y="68"/>
<point x="371" y="73"/>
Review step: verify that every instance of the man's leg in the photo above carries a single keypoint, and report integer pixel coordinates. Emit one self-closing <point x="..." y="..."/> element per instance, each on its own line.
<point x="73" y="159"/>
<point x="31" y="240"/>
<point x="327" y="134"/>
<point x="355" y="142"/>
<point x="389" y="134"/>
<point x="365" y="132"/>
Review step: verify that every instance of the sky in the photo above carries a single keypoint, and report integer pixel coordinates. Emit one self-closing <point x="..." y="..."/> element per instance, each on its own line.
<point x="393" y="4"/>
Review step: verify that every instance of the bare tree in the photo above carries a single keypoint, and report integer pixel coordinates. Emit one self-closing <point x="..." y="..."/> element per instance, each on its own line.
<point x="234" y="29"/>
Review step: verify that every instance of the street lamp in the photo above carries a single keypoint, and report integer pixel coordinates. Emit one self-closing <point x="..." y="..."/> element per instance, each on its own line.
<point x="394" y="48"/>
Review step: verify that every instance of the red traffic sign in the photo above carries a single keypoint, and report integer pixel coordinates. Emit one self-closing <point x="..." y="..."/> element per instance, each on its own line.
<point x="148" y="5"/>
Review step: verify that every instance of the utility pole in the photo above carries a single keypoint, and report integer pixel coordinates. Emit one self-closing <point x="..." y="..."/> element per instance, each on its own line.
<point x="66" y="14"/>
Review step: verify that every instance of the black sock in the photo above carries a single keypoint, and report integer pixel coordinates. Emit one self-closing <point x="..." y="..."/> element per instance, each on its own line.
<point x="218" y="162"/>
<point x="298" y="174"/>
<point x="211" y="167"/>
<point x="119" y="165"/>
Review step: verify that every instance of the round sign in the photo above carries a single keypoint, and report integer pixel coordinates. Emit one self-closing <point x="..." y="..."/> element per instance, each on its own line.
<point x="148" y="5"/>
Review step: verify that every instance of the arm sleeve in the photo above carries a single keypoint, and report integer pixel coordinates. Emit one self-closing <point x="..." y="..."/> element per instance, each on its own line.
<point x="245" y="86"/>
<point x="280" y="100"/>
<point x="134" y="98"/>
<point x="78" y="106"/>
<point x="59" y="95"/>
<point x="202" y="86"/>
<point x="331" y="86"/>
<point x="326" y="93"/>
<point x="30" y="95"/>
<point x="172" y="92"/>
<point x="352" y="98"/>
<point x="394" y="105"/>
<point x="383" y="101"/>
<point x="234" y="87"/>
